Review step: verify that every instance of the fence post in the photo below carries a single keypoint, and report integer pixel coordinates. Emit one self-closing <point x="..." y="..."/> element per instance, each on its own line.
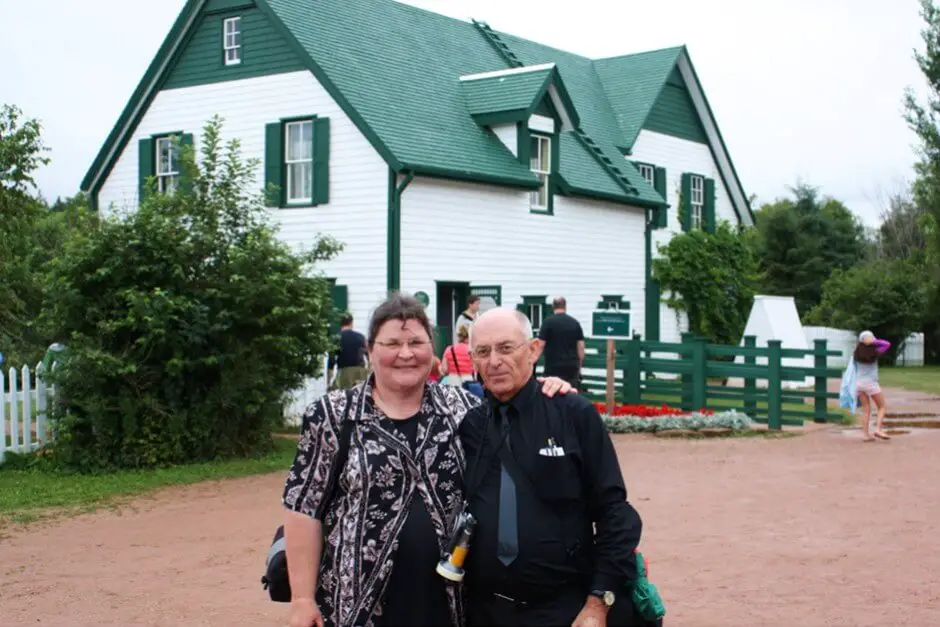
<point x="686" y="379"/>
<point x="631" y="372"/>
<point x="699" y="373"/>
<point x="821" y="379"/>
<point x="774" y="384"/>
<point x="750" y="383"/>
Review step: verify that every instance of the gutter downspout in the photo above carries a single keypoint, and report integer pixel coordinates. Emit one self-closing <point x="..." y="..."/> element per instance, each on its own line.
<point x="393" y="261"/>
<point x="648" y="272"/>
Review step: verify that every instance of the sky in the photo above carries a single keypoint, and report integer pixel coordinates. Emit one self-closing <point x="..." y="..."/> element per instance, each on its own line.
<point x="803" y="90"/>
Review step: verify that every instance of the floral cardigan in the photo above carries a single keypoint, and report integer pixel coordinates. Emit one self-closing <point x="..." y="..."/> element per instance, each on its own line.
<point x="374" y="492"/>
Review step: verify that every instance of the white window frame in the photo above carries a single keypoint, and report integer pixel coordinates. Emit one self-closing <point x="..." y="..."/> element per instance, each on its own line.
<point x="232" y="40"/>
<point x="531" y="308"/>
<point x="167" y="181"/>
<point x="288" y="162"/>
<point x="648" y="172"/>
<point x="697" y="200"/>
<point x="540" y="162"/>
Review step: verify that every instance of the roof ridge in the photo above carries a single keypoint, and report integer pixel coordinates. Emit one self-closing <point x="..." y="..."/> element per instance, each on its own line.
<point x="677" y="49"/>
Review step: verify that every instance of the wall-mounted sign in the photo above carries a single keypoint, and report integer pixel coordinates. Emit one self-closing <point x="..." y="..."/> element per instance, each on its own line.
<point x="423" y="298"/>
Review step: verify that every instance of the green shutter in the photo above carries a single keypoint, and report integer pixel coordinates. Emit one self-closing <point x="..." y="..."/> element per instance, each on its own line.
<point x="321" y="161"/>
<point x="340" y="297"/>
<point x="144" y="166"/>
<point x="653" y="296"/>
<point x="274" y="163"/>
<point x="186" y="183"/>
<point x="685" y="203"/>
<point x="709" y="209"/>
<point x="659" y="184"/>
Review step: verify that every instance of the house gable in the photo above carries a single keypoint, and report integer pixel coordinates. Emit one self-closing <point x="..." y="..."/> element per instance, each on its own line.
<point x="262" y="50"/>
<point x="674" y="113"/>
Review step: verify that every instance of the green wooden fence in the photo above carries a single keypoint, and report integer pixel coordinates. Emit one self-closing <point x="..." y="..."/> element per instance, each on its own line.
<point x="696" y="375"/>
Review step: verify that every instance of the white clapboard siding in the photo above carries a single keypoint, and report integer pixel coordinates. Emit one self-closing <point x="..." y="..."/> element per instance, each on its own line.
<point x="24" y="403"/>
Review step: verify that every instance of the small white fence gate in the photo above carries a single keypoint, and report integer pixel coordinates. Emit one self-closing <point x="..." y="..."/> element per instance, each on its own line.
<point x="24" y="402"/>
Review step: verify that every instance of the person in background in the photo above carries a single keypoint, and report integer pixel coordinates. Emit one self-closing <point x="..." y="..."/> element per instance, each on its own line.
<point x="457" y="365"/>
<point x="468" y="315"/>
<point x="866" y="355"/>
<point x="564" y="344"/>
<point x="369" y="558"/>
<point x="437" y="370"/>
<point x="555" y="536"/>
<point x="349" y="357"/>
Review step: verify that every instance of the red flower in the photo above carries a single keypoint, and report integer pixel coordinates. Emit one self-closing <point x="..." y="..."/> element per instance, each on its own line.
<point x="646" y="411"/>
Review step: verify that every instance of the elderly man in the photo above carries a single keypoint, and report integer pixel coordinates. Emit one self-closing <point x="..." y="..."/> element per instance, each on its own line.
<point x="555" y="535"/>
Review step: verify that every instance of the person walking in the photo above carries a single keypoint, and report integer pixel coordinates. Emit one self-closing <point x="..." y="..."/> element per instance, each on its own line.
<point x="564" y="344"/>
<point x="867" y="352"/>
<point x="349" y="357"/>
<point x="368" y="556"/>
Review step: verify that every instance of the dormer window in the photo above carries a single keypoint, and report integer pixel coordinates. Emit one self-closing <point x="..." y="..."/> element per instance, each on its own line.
<point x="540" y="162"/>
<point x="232" y="40"/>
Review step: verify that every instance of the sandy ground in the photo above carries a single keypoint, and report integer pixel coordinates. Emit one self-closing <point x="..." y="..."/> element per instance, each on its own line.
<point x="820" y="529"/>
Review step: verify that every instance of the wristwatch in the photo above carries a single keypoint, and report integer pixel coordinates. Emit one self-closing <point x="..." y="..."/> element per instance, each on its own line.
<point x="606" y="596"/>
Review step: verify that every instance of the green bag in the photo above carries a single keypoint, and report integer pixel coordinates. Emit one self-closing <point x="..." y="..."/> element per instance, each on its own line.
<point x="646" y="597"/>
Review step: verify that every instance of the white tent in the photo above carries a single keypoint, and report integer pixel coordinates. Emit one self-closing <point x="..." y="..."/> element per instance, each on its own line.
<point x="776" y="318"/>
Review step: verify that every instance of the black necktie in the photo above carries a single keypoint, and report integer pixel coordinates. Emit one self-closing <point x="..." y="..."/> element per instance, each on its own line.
<point x="508" y="539"/>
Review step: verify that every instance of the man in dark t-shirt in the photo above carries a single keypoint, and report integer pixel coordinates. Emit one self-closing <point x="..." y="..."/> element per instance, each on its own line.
<point x="349" y="358"/>
<point x="564" y="344"/>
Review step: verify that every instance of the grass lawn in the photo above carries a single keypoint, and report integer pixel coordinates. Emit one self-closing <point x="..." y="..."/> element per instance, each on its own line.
<point x="922" y="379"/>
<point x="30" y="495"/>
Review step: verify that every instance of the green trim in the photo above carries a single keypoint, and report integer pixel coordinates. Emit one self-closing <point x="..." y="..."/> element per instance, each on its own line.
<point x="462" y="175"/>
<point x="535" y="300"/>
<point x="393" y="247"/>
<point x="222" y="6"/>
<point x="620" y="200"/>
<point x="554" y="152"/>
<point x="708" y="206"/>
<point x="685" y="202"/>
<point x="607" y="299"/>
<point x="651" y="291"/>
<point x="523" y="142"/>
<point x="123" y="130"/>
<point x="275" y="166"/>
<point x="721" y="140"/>
<point x="501" y="117"/>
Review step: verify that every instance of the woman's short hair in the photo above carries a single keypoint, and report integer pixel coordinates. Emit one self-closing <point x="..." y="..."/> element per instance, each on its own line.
<point x="398" y="307"/>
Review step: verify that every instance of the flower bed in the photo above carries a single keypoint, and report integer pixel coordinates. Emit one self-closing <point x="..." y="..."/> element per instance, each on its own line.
<point x="651" y="419"/>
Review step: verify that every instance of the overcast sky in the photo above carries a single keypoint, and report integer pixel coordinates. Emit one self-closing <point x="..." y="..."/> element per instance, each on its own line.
<point x="802" y="89"/>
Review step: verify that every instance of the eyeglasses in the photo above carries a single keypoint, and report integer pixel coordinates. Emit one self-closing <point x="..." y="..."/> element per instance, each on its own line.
<point x="414" y="345"/>
<point x="504" y="350"/>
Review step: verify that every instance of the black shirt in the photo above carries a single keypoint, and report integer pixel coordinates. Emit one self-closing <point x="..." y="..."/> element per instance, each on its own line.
<point x="416" y="594"/>
<point x="561" y="334"/>
<point x="583" y="487"/>
<point x="351" y="352"/>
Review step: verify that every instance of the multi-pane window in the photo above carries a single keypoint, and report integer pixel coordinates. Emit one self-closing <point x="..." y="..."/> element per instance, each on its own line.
<point x="232" y="40"/>
<point x="540" y="163"/>
<point x="298" y="160"/>
<point x="534" y="311"/>
<point x="168" y="164"/>
<point x="697" y="201"/>
<point x="647" y="172"/>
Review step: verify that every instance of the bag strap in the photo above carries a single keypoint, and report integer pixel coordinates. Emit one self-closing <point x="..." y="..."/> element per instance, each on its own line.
<point x="453" y="351"/>
<point x="339" y="463"/>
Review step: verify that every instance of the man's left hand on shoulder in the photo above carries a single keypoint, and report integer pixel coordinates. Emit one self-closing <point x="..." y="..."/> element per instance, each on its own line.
<point x="593" y="614"/>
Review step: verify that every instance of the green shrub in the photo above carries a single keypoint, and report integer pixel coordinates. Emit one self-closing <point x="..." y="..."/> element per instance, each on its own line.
<point x="187" y="322"/>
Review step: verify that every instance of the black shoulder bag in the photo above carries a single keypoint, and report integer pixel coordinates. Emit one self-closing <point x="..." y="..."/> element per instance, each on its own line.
<point x="275" y="579"/>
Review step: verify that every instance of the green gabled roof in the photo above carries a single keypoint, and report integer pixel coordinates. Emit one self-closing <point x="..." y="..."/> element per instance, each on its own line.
<point x="632" y="84"/>
<point x="488" y="93"/>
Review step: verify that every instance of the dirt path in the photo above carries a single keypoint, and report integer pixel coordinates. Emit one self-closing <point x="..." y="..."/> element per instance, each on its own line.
<point x="818" y="530"/>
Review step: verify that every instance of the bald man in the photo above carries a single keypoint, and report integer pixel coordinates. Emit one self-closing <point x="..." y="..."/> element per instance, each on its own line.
<point x="542" y="475"/>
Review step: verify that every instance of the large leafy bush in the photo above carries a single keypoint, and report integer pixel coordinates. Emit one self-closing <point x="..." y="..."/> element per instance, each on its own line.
<point x="187" y="321"/>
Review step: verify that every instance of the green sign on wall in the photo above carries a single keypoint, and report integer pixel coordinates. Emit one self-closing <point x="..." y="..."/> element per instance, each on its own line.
<point x="423" y="298"/>
<point x="611" y="324"/>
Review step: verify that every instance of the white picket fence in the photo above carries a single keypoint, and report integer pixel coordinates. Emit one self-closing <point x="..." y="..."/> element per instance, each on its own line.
<point x="24" y="410"/>
<point x="912" y="353"/>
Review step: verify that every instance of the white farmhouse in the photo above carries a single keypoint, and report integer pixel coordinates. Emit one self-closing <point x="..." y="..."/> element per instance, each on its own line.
<point x="449" y="158"/>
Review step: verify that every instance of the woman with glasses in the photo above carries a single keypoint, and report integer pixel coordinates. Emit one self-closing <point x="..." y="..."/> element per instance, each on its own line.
<point x="369" y="556"/>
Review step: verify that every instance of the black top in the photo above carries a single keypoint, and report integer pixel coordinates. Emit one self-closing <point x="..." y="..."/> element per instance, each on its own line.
<point x="584" y="486"/>
<point x="416" y="594"/>
<point x="351" y="352"/>
<point x="561" y="334"/>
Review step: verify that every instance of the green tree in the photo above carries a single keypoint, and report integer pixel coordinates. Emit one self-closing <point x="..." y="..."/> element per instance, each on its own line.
<point x="187" y="322"/>
<point x="887" y="296"/>
<point x="711" y="277"/>
<point x="800" y="242"/>
<point x="923" y="120"/>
